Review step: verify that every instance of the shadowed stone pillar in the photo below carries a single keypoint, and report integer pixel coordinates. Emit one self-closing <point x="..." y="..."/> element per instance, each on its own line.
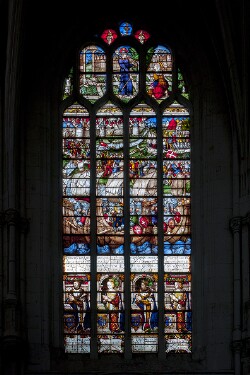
<point x="13" y="349"/>
<point x="236" y="225"/>
<point x="14" y="346"/>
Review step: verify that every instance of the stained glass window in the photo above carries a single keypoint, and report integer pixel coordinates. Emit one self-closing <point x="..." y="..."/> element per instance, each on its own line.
<point x="126" y="198"/>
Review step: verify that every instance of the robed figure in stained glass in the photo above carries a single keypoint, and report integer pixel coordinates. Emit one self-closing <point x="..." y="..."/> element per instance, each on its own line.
<point x="144" y="309"/>
<point x="77" y="304"/>
<point x="125" y="63"/>
<point x="178" y="302"/>
<point x="112" y="301"/>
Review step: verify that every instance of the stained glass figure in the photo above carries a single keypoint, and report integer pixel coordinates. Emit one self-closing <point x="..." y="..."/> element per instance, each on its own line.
<point x="142" y="36"/>
<point x="110" y="317"/>
<point x="77" y="312"/>
<point x="144" y="312"/>
<point x="159" y="76"/>
<point x="125" y="29"/>
<point x="109" y="36"/>
<point x="178" y="326"/>
<point x="126" y="83"/>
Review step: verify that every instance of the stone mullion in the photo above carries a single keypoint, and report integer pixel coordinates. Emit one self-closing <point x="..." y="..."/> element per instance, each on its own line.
<point x="161" y="308"/>
<point x="126" y="197"/>
<point x="93" y="231"/>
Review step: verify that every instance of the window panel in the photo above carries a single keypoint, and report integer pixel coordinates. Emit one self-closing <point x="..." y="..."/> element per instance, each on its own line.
<point x="126" y="199"/>
<point x="68" y="86"/>
<point x="77" y="323"/>
<point x="110" y="315"/>
<point x="144" y="310"/>
<point x="92" y="83"/>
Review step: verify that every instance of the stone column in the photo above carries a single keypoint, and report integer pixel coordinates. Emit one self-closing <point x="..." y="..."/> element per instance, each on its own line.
<point x="14" y="347"/>
<point x="235" y="225"/>
<point x="245" y="355"/>
<point x="13" y="344"/>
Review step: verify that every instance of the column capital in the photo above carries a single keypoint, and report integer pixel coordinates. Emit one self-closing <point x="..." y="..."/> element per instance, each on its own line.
<point x="235" y="224"/>
<point x="12" y="216"/>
